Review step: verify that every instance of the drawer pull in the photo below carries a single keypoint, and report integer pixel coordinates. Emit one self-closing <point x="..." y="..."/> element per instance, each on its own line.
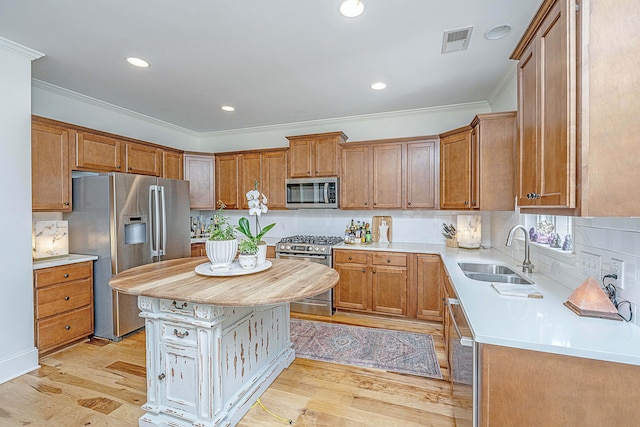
<point x="350" y="258"/>
<point x="364" y="271"/>
<point x="67" y="327"/>
<point x="66" y="203"/>
<point x="161" y="377"/>
<point x="180" y="334"/>
<point x="388" y="260"/>
<point x="66" y="298"/>
<point x="179" y="307"/>
<point x="66" y="275"/>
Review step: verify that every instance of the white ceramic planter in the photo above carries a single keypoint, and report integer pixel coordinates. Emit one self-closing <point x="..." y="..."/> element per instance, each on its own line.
<point x="221" y="253"/>
<point x="262" y="253"/>
<point x="247" y="261"/>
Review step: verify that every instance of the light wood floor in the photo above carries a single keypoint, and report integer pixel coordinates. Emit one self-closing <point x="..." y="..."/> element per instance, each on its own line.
<point x="100" y="383"/>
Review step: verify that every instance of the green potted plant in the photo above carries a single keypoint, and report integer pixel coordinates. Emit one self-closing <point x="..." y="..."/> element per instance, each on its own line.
<point x="257" y="205"/>
<point x="222" y="244"/>
<point x="248" y="254"/>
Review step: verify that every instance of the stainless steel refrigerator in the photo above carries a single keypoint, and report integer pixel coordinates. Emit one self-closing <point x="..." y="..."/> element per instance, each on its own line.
<point x="126" y="220"/>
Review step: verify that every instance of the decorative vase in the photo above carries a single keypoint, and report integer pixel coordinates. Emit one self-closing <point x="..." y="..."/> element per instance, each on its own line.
<point x="383" y="231"/>
<point x="262" y="253"/>
<point x="247" y="262"/>
<point x="221" y="253"/>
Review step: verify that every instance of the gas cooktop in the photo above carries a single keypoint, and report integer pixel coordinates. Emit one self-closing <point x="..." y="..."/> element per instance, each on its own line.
<point x="312" y="240"/>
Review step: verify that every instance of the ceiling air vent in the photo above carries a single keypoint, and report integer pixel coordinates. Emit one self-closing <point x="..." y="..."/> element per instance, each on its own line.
<point x="456" y="40"/>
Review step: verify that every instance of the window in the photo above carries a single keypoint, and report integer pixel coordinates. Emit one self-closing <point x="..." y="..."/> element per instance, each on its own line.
<point x="555" y="232"/>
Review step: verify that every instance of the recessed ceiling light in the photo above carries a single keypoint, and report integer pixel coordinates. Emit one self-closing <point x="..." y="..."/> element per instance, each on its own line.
<point x="351" y="8"/>
<point x="498" y="32"/>
<point x="228" y="108"/>
<point x="378" y="86"/>
<point x="138" y="62"/>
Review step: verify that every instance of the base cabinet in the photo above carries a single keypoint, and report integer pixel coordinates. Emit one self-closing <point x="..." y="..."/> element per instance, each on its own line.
<point x="63" y="299"/>
<point x="207" y="365"/>
<point x="429" y="288"/>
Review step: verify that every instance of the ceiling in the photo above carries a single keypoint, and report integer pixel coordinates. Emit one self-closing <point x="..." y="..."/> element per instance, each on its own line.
<point x="275" y="61"/>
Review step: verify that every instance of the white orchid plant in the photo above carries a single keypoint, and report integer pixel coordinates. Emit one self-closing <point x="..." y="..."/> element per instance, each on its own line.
<point x="257" y="206"/>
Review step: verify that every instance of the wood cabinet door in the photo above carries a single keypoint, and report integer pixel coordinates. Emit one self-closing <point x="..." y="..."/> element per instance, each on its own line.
<point x="227" y="180"/>
<point x="422" y="175"/>
<point x="354" y="186"/>
<point x="352" y="290"/>
<point x="300" y="158"/>
<point x="274" y="175"/>
<point x="172" y="164"/>
<point x="98" y="153"/>
<point x="387" y="176"/>
<point x="250" y="171"/>
<point x="527" y="127"/>
<point x="198" y="170"/>
<point x="142" y="159"/>
<point x="455" y="171"/>
<point x="429" y="277"/>
<point x="389" y="288"/>
<point x="325" y="154"/>
<point x="50" y="171"/>
<point x="198" y="249"/>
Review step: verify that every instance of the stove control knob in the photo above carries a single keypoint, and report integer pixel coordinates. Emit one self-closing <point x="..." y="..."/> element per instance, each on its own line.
<point x="310" y="248"/>
<point x="288" y="247"/>
<point x="322" y="249"/>
<point x="317" y="249"/>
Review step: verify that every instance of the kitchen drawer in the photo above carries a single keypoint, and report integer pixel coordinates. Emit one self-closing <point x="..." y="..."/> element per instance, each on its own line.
<point x="354" y="257"/>
<point x="62" y="274"/>
<point x="60" y="298"/>
<point x="64" y="328"/>
<point x="174" y="306"/>
<point x="390" y="258"/>
<point x="179" y="334"/>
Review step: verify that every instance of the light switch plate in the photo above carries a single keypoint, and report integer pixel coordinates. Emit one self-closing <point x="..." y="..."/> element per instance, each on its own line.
<point x="591" y="265"/>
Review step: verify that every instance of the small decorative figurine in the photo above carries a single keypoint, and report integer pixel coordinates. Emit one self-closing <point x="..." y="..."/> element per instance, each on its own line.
<point x="554" y="240"/>
<point x="533" y="236"/>
<point x="567" y="244"/>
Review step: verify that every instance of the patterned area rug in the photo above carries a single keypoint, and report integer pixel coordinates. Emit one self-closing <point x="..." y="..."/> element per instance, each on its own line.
<point x="395" y="351"/>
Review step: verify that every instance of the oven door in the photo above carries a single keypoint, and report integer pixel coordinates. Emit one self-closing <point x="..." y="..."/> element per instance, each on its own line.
<point x="320" y="304"/>
<point x="320" y="259"/>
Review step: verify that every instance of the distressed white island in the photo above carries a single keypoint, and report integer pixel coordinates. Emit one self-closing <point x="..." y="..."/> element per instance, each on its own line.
<point x="215" y="344"/>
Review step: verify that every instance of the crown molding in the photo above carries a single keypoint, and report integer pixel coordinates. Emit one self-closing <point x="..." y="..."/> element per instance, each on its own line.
<point x="107" y="106"/>
<point x="471" y="106"/>
<point x="19" y="49"/>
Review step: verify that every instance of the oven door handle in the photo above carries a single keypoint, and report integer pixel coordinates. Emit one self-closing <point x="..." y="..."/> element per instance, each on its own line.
<point x="465" y="341"/>
<point x="309" y="256"/>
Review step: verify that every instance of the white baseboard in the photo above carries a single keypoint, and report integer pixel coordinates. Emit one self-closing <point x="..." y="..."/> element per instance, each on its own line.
<point x="18" y="364"/>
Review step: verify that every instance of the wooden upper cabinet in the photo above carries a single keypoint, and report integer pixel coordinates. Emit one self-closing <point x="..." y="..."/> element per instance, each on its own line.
<point x="477" y="164"/>
<point x="274" y="174"/>
<point x="198" y="170"/>
<point x="422" y="175"/>
<point x="250" y="167"/>
<point x="547" y="138"/>
<point x="315" y="155"/>
<point x="386" y="185"/>
<point x="455" y="169"/>
<point x="98" y="153"/>
<point x="142" y="159"/>
<point x="172" y="165"/>
<point x="227" y="180"/>
<point x="354" y="181"/>
<point x="50" y="171"/>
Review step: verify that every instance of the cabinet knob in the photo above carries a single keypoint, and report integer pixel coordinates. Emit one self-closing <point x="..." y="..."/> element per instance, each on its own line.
<point x="117" y="166"/>
<point x="364" y="271"/>
<point x="350" y="258"/>
<point x="473" y="202"/>
<point x="466" y="203"/>
<point x="375" y="203"/>
<point x="374" y="272"/>
<point x="67" y="327"/>
<point x="365" y="203"/>
<point x="130" y="168"/>
<point x="161" y="377"/>
<point x="388" y="260"/>
<point x="66" y="298"/>
<point x="66" y="203"/>
<point x="66" y="275"/>
<point x="409" y="203"/>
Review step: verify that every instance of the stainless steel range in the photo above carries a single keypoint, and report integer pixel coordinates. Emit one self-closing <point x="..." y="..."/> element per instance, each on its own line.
<point x="314" y="249"/>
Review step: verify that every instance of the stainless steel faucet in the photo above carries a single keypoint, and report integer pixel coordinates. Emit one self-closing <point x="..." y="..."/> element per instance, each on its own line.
<point x="527" y="267"/>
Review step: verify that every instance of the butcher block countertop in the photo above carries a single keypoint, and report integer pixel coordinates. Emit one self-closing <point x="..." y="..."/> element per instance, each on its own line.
<point x="285" y="281"/>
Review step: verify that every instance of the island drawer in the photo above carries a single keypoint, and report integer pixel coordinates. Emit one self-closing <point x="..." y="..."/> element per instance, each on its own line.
<point x="172" y="332"/>
<point x="175" y="306"/>
<point x="62" y="274"/>
<point x="60" y="298"/>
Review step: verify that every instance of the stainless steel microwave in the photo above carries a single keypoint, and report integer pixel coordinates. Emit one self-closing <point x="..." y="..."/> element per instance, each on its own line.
<point x="312" y="193"/>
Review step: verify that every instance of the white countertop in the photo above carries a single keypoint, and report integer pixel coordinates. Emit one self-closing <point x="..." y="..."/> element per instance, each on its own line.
<point x="62" y="260"/>
<point x="527" y="323"/>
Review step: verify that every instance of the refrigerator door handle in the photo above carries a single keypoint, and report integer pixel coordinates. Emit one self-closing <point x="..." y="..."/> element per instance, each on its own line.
<point x="153" y="215"/>
<point x="163" y="216"/>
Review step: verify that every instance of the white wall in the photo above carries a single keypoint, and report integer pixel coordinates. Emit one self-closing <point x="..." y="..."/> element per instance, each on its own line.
<point x="505" y="95"/>
<point x="17" y="351"/>
<point x="426" y="121"/>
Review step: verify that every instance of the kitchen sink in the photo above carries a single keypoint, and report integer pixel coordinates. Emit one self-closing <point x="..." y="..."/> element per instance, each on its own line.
<point x="486" y="272"/>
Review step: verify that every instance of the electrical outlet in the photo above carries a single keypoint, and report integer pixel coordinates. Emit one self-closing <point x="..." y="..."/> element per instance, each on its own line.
<point x="617" y="267"/>
<point x="590" y="265"/>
